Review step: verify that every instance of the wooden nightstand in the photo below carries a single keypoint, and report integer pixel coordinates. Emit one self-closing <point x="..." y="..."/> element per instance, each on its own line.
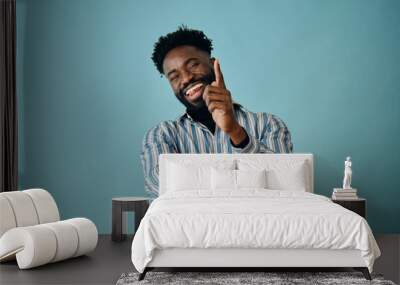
<point x="122" y="205"/>
<point x="358" y="206"/>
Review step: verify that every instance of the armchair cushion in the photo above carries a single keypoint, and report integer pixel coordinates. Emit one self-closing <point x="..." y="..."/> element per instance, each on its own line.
<point x="40" y="244"/>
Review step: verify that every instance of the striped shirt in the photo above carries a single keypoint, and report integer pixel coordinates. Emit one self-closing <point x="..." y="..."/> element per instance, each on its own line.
<point x="267" y="134"/>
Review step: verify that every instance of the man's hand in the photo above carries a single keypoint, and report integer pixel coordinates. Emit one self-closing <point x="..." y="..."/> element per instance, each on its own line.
<point x="219" y="102"/>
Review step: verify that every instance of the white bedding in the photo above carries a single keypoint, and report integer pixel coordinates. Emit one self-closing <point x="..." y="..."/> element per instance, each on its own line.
<point x="251" y="218"/>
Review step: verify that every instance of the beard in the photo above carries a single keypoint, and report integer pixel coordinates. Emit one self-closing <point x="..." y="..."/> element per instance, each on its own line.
<point x="199" y="105"/>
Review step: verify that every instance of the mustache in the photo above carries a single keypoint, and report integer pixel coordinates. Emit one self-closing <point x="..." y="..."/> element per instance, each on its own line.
<point x="206" y="80"/>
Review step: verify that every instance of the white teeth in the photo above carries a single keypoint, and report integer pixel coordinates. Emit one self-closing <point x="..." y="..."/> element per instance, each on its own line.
<point x="188" y="92"/>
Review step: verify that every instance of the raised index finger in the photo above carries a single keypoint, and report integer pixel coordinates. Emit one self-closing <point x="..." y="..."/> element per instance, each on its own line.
<point x="219" y="78"/>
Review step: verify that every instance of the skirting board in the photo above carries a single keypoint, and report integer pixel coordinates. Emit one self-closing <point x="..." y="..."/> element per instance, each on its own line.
<point x="232" y="257"/>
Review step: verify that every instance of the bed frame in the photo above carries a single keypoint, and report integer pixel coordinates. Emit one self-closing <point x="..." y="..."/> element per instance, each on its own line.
<point x="248" y="259"/>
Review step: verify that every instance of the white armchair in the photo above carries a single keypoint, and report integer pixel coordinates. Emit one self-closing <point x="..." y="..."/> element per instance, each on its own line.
<point x="32" y="233"/>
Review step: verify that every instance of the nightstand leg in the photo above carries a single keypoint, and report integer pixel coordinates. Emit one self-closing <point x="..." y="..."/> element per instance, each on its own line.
<point x="118" y="222"/>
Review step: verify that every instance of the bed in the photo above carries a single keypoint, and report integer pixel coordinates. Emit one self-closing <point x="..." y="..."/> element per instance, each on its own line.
<point x="245" y="211"/>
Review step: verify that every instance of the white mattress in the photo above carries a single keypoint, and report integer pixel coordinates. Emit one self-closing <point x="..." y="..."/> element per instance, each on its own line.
<point x="251" y="219"/>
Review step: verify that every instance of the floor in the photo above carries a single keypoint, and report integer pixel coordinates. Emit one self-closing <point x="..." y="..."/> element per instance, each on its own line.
<point x="102" y="266"/>
<point x="111" y="259"/>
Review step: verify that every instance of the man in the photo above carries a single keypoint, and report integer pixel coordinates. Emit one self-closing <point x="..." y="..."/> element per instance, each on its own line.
<point x="212" y="123"/>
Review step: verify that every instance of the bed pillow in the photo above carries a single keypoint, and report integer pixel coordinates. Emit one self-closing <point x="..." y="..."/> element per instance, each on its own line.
<point x="294" y="178"/>
<point x="189" y="176"/>
<point x="281" y="175"/>
<point x="251" y="178"/>
<point x="227" y="179"/>
<point x="223" y="179"/>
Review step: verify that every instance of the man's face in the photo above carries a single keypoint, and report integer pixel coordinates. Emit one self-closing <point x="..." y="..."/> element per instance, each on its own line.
<point x="189" y="70"/>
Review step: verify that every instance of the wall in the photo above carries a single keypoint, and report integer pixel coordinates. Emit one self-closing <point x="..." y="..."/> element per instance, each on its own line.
<point x="88" y="90"/>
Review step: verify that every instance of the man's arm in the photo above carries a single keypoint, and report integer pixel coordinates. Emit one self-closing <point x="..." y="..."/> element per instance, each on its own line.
<point x="274" y="137"/>
<point x="155" y="142"/>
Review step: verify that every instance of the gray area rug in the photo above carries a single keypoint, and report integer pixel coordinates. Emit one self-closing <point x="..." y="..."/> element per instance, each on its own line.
<point x="230" y="278"/>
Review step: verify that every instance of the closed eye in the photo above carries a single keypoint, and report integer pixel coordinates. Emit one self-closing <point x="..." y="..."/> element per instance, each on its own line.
<point x="174" y="77"/>
<point x="193" y="64"/>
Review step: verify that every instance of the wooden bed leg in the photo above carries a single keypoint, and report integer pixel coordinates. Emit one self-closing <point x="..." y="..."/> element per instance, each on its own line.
<point x="143" y="274"/>
<point x="364" y="271"/>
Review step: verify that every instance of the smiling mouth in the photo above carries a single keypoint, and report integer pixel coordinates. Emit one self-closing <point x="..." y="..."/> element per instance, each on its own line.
<point x="194" y="92"/>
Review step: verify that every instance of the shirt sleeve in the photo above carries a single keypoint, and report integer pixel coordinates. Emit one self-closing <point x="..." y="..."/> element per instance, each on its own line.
<point x="273" y="136"/>
<point x="155" y="142"/>
<point x="243" y="143"/>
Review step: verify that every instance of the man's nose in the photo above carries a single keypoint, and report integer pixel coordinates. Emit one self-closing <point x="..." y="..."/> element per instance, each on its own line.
<point x="187" y="77"/>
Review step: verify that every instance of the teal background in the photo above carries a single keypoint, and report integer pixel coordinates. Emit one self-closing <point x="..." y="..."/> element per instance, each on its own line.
<point x="88" y="91"/>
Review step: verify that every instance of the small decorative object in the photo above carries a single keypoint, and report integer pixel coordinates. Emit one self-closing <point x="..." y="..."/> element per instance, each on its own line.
<point x="347" y="192"/>
<point x="347" y="173"/>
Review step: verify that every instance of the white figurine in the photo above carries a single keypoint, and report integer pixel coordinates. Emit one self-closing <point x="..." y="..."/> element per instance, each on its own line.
<point x="347" y="173"/>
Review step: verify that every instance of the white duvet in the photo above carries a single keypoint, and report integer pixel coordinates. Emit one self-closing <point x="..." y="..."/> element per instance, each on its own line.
<point x="250" y="219"/>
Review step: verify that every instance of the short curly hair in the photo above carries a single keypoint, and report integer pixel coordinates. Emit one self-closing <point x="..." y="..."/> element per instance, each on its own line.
<point x="182" y="36"/>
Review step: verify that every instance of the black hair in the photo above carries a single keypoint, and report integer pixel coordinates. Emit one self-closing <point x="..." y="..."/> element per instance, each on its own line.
<point x="182" y="36"/>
